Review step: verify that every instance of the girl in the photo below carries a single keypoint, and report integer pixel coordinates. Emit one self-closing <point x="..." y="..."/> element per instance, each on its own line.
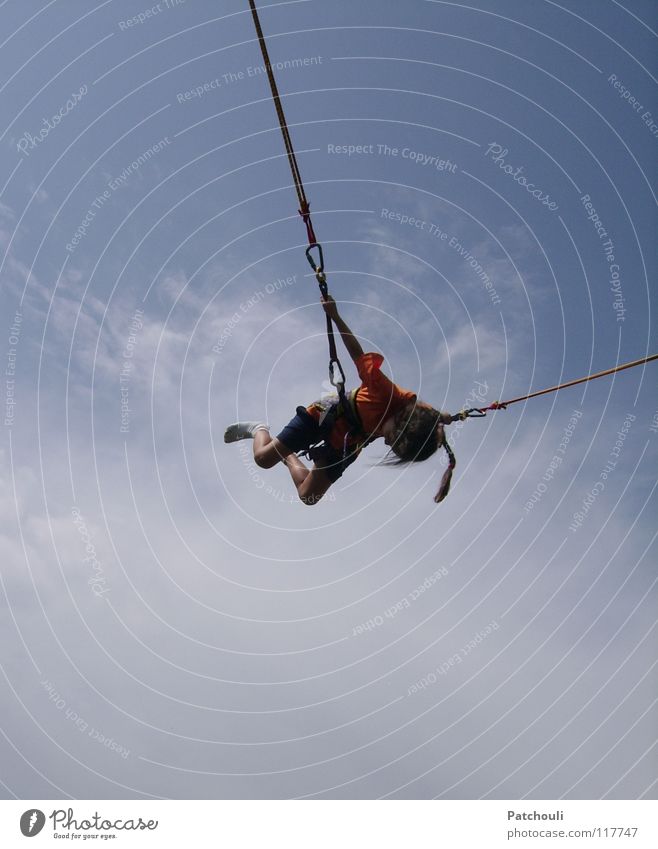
<point x="332" y="433"/>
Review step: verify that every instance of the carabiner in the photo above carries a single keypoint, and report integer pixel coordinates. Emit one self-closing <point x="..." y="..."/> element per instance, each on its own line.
<point x="472" y="413"/>
<point x="332" y="375"/>
<point x="319" y="267"/>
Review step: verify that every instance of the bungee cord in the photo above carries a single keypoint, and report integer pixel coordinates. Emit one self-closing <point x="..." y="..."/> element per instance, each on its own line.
<point x="477" y="412"/>
<point x="318" y="268"/>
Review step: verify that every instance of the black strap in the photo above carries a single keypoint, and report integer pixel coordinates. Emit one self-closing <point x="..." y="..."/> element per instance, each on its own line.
<point x="334" y="362"/>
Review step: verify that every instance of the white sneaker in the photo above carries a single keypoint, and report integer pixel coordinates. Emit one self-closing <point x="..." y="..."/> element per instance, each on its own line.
<point x="243" y="430"/>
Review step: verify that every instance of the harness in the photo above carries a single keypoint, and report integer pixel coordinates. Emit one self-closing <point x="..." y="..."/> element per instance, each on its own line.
<point x="332" y="409"/>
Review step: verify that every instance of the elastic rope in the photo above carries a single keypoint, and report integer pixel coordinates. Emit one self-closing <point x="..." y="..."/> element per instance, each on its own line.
<point x="479" y="412"/>
<point x="304" y="206"/>
<point x="501" y="405"/>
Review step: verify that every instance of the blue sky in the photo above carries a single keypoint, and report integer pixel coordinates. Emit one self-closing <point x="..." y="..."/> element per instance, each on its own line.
<point x="176" y="625"/>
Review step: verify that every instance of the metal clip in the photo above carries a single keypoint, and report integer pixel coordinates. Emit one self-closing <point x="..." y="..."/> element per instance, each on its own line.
<point x="318" y="267"/>
<point x="337" y="382"/>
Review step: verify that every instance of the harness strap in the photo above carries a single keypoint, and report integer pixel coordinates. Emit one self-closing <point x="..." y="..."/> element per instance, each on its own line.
<point x="343" y="406"/>
<point x="353" y="416"/>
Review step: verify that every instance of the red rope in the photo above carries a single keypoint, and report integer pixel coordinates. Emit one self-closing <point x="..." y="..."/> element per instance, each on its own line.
<point x="304" y="206"/>
<point x="501" y="405"/>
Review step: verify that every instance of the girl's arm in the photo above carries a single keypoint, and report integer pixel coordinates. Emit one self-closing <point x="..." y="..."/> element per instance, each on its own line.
<point x="352" y="344"/>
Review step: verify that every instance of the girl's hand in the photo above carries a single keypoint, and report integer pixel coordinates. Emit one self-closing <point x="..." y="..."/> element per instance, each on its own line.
<point x="329" y="306"/>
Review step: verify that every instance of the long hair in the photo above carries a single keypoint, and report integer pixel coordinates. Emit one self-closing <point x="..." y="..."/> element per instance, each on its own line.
<point x="418" y="434"/>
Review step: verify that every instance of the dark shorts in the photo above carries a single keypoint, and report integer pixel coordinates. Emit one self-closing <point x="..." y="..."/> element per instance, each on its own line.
<point x="303" y="432"/>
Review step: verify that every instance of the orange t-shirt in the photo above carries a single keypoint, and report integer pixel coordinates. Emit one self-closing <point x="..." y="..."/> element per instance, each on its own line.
<point x="378" y="398"/>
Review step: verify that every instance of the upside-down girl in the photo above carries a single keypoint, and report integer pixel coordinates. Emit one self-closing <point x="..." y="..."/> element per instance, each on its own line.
<point x="332" y="432"/>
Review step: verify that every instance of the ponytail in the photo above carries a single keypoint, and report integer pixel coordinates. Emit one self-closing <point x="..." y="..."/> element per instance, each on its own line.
<point x="419" y="432"/>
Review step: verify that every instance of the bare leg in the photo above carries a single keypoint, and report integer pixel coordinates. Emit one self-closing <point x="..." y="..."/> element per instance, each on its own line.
<point x="297" y="469"/>
<point x="268" y="451"/>
<point x="314" y="486"/>
<point x="311" y="484"/>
